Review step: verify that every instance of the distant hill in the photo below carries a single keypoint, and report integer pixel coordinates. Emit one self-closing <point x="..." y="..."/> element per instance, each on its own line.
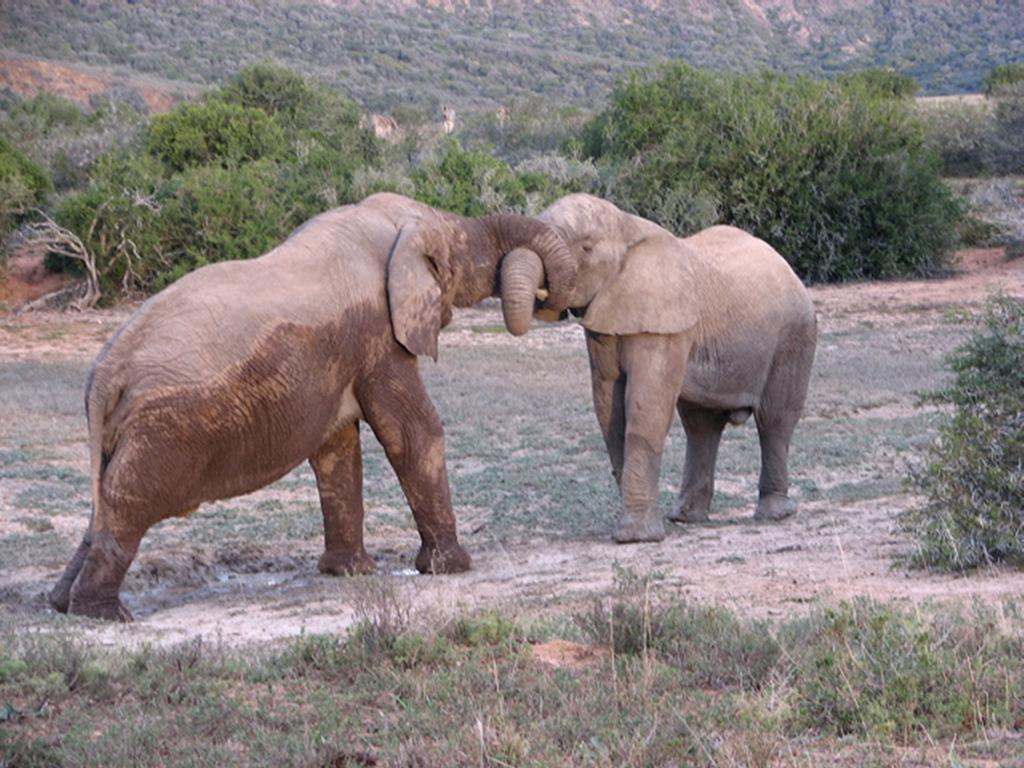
<point x="487" y="52"/>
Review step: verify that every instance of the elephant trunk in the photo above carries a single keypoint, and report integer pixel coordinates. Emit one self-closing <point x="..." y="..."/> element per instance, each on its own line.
<point x="535" y="253"/>
<point x="522" y="275"/>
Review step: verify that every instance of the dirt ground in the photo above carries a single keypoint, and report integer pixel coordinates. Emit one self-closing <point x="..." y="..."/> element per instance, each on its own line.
<point x="835" y="548"/>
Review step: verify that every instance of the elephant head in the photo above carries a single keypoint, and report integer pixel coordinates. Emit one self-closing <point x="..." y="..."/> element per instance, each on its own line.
<point x="442" y="261"/>
<point x="630" y="274"/>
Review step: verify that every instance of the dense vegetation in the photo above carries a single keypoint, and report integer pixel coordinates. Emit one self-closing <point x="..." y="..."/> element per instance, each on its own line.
<point x="979" y="138"/>
<point x="485" y="53"/>
<point x="230" y="175"/>
<point x="669" y="683"/>
<point x="973" y="476"/>
<point x="23" y="185"/>
<point x="834" y="174"/>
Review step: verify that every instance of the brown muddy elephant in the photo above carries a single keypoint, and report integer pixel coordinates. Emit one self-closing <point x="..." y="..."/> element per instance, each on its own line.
<point x="715" y="326"/>
<point x="240" y="371"/>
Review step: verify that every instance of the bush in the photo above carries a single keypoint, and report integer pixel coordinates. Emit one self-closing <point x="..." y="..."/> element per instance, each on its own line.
<point x="868" y="669"/>
<point x="973" y="476"/>
<point x="707" y="645"/>
<point x="212" y="130"/>
<point x="468" y="182"/>
<point x="833" y="175"/>
<point x="1002" y="76"/>
<point x="23" y="185"/>
<point x="882" y="82"/>
<point x="224" y="178"/>
<point x="1007" y="155"/>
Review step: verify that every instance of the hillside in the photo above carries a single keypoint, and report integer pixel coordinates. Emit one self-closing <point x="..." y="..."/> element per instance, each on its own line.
<point x="472" y="52"/>
<point x="27" y="76"/>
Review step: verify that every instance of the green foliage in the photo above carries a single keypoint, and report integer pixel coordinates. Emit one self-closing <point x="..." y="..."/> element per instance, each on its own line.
<point x="1002" y="76"/>
<point x="472" y="182"/>
<point x="865" y="668"/>
<point x="886" y="83"/>
<point x="227" y="177"/>
<point x="23" y="185"/>
<point x="833" y="175"/>
<point x="469" y="182"/>
<point x="978" y="139"/>
<point x="197" y="133"/>
<point x="488" y="628"/>
<point x="1007" y="155"/>
<point x="707" y="645"/>
<point x="65" y="140"/>
<point x="973" y="476"/>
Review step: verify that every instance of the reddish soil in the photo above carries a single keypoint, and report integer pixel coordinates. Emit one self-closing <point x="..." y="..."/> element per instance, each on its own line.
<point x="27" y="77"/>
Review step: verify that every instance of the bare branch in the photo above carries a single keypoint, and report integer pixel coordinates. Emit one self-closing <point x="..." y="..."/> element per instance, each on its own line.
<point x="63" y="242"/>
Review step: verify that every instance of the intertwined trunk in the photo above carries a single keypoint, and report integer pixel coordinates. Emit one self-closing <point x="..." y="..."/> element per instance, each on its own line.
<point x="530" y="253"/>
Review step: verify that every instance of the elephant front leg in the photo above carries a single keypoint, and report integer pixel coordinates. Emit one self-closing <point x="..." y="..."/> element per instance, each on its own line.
<point x="403" y="418"/>
<point x="338" y="467"/>
<point x="703" y="435"/>
<point x="653" y="375"/>
<point x="608" y="382"/>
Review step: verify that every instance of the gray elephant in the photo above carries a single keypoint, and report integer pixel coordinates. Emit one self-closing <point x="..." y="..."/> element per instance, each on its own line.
<point x="714" y="326"/>
<point x="240" y="371"/>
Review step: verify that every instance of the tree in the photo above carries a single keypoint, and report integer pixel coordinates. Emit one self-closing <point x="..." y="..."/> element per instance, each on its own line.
<point x="212" y="130"/>
<point x="832" y="174"/>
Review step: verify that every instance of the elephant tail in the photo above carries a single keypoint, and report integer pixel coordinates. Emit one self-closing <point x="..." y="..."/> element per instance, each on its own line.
<point x="98" y="405"/>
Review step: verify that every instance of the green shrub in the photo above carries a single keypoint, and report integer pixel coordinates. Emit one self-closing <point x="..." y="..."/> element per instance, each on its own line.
<point x="468" y="182"/>
<point x="23" y="185"/>
<point x="868" y="669"/>
<point x="961" y="135"/>
<point x="488" y="628"/>
<point x="882" y="82"/>
<point x="224" y="178"/>
<point x="1001" y="76"/>
<point x="1007" y="153"/>
<point x="212" y="130"/>
<point x="973" y="476"/>
<point x="707" y="645"/>
<point x="833" y="175"/>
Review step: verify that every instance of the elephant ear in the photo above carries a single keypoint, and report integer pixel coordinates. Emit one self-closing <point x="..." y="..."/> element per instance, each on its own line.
<point x="653" y="292"/>
<point x="417" y="272"/>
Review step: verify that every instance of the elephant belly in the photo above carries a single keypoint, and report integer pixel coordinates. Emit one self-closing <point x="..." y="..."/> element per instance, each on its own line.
<point x="726" y="376"/>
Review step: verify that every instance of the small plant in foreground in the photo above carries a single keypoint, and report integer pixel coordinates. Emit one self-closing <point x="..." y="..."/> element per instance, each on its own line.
<point x="708" y="645"/>
<point x="867" y="668"/>
<point x="973" y="476"/>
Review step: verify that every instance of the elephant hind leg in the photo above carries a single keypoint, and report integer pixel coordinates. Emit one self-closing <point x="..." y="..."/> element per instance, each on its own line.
<point x="781" y="405"/>
<point x="703" y="436"/>
<point x="338" y="466"/>
<point x="95" y="590"/>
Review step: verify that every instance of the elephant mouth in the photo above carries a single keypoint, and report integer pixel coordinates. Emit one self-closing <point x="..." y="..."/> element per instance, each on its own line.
<point x="549" y="315"/>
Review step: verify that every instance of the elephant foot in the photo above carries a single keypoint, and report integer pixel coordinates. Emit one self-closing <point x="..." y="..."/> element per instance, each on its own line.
<point x="683" y="512"/>
<point x="647" y="528"/>
<point x="60" y="596"/>
<point x="337" y="562"/>
<point x="108" y="609"/>
<point x="442" y="558"/>
<point x="774" y="507"/>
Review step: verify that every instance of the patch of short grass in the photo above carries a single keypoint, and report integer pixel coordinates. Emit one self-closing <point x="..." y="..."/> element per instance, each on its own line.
<point x="684" y="683"/>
